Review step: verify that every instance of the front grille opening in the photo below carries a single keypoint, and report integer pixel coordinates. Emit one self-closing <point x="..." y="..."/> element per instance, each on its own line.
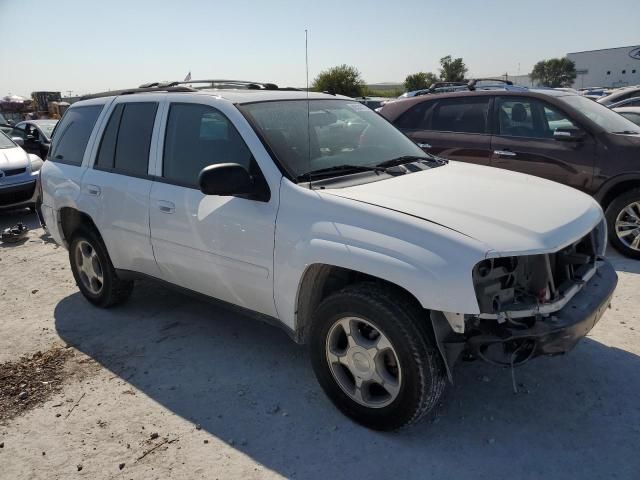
<point x="516" y="283"/>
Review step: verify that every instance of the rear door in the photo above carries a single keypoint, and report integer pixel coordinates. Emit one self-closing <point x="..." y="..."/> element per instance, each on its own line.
<point x="453" y="128"/>
<point x="115" y="192"/>
<point x="524" y="142"/>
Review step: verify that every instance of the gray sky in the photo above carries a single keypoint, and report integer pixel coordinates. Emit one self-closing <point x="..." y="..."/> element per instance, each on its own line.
<point x="86" y="46"/>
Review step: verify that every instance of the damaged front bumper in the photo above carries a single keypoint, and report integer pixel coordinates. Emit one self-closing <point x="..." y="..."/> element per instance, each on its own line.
<point x="514" y="342"/>
<point x="556" y="333"/>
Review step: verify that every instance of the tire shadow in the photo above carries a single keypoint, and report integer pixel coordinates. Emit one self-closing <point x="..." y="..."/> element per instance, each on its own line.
<point x="242" y="379"/>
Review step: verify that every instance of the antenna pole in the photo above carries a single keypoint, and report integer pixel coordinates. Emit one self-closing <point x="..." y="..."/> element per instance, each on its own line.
<point x="306" y="62"/>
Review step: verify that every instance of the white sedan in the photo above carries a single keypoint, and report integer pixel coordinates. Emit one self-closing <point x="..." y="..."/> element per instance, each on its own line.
<point x="18" y="174"/>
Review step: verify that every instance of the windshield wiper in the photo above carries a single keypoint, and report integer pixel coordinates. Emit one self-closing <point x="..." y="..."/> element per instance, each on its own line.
<point x="405" y="159"/>
<point x="626" y="132"/>
<point x="339" y="170"/>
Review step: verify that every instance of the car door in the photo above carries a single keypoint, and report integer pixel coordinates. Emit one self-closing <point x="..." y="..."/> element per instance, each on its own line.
<point x="115" y="192"/>
<point x="453" y="128"/>
<point x="524" y="142"/>
<point x="220" y="246"/>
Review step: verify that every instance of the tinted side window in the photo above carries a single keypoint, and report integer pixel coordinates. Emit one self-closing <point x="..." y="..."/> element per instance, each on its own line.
<point x="134" y="138"/>
<point x="72" y="134"/>
<point x="107" y="152"/>
<point x="197" y="136"/>
<point x="554" y="119"/>
<point x="413" y="119"/>
<point x="468" y="115"/>
<point x="516" y="118"/>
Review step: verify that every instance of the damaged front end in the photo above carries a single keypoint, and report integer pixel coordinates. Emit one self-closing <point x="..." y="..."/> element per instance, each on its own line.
<point x="535" y="304"/>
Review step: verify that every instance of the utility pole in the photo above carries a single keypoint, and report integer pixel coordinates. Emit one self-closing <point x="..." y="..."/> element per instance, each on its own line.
<point x="69" y="92"/>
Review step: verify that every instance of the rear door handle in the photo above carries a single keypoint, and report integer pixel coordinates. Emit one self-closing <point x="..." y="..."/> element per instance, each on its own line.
<point x="166" y="207"/>
<point x="424" y="145"/>
<point x="94" y="190"/>
<point x="504" y="153"/>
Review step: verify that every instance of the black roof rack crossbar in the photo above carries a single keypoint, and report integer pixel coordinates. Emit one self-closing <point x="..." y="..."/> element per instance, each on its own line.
<point x="130" y="91"/>
<point x="211" y="83"/>
<point x="472" y="83"/>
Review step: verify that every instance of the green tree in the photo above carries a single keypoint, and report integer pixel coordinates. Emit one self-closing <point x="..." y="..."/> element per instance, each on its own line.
<point x="555" y="72"/>
<point x="452" y="70"/>
<point x="419" y="81"/>
<point x="343" y="80"/>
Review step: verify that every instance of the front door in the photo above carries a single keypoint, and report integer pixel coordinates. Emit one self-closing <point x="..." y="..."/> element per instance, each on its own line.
<point x="453" y="128"/>
<point x="221" y="246"/>
<point x="524" y="142"/>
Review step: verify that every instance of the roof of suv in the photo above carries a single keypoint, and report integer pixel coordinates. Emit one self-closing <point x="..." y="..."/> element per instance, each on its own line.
<point x="236" y="91"/>
<point x="394" y="109"/>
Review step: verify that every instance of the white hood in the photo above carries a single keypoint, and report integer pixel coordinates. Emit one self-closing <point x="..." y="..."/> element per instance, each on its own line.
<point x="510" y="212"/>
<point x="11" y="158"/>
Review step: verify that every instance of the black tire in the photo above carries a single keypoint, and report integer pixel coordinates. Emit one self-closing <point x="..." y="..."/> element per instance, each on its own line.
<point x="114" y="290"/>
<point x="405" y="326"/>
<point x="613" y="210"/>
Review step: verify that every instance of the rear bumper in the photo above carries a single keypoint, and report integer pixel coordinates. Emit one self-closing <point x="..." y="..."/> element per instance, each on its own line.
<point x="561" y="331"/>
<point x="18" y="195"/>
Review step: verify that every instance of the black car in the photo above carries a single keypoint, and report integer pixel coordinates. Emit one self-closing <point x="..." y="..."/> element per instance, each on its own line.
<point x="36" y="135"/>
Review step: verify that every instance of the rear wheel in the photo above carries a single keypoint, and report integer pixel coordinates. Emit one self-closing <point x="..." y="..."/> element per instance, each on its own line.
<point x="373" y="357"/>
<point x="94" y="273"/>
<point x="623" y="222"/>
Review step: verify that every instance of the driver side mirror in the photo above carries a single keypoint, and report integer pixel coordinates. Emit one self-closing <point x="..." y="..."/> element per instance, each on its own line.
<point x="225" y="179"/>
<point x="569" y="134"/>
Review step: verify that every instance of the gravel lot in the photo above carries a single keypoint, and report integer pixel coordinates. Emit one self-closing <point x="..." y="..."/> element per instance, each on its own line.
<point x="170" y="387"/>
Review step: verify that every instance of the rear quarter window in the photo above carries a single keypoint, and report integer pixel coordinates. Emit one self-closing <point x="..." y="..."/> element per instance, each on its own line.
<point x="72" y="135"/>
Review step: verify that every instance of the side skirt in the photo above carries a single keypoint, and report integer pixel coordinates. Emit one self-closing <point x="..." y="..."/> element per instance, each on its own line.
<point x="132" y="275"/>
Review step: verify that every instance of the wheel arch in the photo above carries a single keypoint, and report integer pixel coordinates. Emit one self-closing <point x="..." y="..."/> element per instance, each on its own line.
<point x="616" y="187"/>
<point x="320" y="280"/>
<point x="71" y="219"/>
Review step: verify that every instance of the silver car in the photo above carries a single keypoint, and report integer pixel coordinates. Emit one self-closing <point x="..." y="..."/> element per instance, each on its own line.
<point x="19" y="171"/>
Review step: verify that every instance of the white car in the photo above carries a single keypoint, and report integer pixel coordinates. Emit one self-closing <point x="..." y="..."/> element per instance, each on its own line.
<point x="18" y="174"/>
<point x="630" y="113"/>
<point x="314" y="212"/>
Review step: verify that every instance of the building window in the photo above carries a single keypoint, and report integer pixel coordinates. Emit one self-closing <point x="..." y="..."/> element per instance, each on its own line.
<point x="608" y="72"/>
<point x="624" y="71"/>
<point x="633" y="71"/>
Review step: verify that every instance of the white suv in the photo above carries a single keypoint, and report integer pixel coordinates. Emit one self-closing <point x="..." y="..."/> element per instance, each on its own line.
<point x="316" y="213"/>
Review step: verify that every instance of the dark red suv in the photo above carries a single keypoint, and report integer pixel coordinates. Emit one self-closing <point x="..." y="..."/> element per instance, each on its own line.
<point x="552" y="134"/>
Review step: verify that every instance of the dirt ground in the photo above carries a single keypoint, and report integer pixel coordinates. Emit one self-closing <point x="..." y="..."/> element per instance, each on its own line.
<point x="170" y="387"/>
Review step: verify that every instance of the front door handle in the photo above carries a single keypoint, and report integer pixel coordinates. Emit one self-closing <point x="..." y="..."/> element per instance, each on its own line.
<point x="94" y="190"/>
<point x="166" y="207"/>
<point x="504" y="153"/>
<point x="424" y="145"/>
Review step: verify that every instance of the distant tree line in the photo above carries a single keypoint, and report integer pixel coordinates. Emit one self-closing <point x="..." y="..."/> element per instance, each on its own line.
<point x="347" y="80"/>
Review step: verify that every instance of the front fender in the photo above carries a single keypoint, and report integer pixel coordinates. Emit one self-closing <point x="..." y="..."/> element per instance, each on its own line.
<point x="431" y="262"/>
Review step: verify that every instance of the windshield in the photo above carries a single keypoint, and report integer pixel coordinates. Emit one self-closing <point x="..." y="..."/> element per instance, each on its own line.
<point x="605" y="118"/>
<point x="332" y="133"/>
<point x="5" y="142"/>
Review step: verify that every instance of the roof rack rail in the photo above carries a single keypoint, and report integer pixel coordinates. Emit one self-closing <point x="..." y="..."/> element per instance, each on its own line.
<point x="472" y="84"/>
<point x="212" y="83"/>
<point x="141" y="89"/>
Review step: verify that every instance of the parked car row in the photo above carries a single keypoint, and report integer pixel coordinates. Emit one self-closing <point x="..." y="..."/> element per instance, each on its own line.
<point x="552" y="134"/>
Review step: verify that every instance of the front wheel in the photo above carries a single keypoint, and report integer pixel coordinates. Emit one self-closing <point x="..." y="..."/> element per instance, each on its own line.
<point x="623" y="222"/>
<point x="373" y="357"/>
<point x="93" y="271"/>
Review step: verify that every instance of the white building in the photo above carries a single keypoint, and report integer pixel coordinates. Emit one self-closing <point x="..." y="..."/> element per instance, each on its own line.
<point x="609" y="67"/>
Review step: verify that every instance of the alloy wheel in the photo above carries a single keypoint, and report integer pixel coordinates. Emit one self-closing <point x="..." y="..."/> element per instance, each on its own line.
<point x="627" y="226"/>
<point x="363" y="362"/>
<point x="89" y="267"/>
